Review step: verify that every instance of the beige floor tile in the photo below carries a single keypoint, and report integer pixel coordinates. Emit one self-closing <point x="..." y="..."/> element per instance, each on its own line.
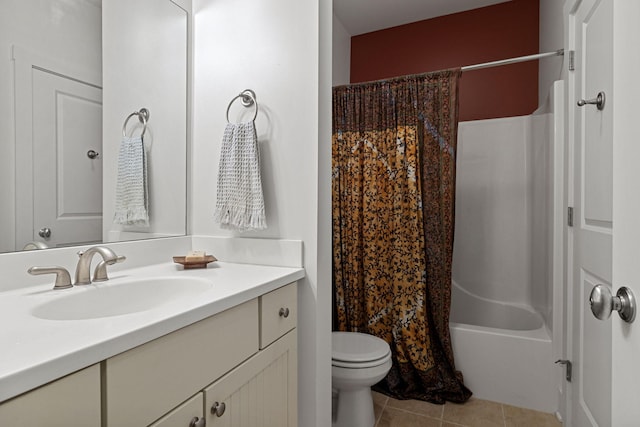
<point x="417" y="407"/>
<point x="396" y="418"/>
<point x="474" y="413"/>
<point x="379" y="402"/>
<point x="520" y="417"/>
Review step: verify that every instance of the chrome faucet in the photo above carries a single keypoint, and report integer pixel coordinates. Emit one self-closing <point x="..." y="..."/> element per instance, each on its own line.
<point x="84" y="265"/>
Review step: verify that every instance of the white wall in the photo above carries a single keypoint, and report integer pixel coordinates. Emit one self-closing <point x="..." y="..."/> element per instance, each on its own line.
<point x="145" y="65"/>
<point x="273" y="47"/>
<point x="551" y="38"/>
<point x="341" y="53"/>
<point x="69" y="33"/>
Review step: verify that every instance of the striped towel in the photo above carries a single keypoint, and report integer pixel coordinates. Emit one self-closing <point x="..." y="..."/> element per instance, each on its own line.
<point x="240" y="202"/>
<point x="132" y="196"/>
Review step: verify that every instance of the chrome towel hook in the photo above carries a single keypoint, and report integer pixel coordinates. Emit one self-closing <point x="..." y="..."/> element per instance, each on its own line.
<point x="143" y="116"/>
<point x="248" y="99"/>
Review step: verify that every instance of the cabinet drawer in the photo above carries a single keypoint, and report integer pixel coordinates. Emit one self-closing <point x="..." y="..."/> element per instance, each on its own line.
<point x="278" y="313"/>
<point x="183" y="414"/>
<point x="72" y="401"/>
<point x="146" y="382"/>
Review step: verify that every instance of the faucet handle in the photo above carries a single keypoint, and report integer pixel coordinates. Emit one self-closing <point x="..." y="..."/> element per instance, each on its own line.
<point x="63" y="279"/>
<point x="100" y="273"/>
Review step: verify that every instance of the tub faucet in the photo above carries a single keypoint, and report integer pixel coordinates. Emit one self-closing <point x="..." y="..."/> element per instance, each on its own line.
<point x="84" y="264"/>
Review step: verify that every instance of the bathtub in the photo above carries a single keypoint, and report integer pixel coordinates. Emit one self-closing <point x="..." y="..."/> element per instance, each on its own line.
<point x="504" y="351"/>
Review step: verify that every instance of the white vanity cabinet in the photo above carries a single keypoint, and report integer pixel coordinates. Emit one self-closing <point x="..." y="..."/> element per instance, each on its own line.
<point x="73" y="400"/>
<point x="161" y="383"/>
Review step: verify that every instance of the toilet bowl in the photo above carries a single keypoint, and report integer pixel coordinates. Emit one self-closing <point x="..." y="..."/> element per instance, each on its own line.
<point x="358" y="361"/>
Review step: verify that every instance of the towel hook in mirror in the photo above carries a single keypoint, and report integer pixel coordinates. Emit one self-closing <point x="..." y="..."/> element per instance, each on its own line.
<point x="143" y="116"/>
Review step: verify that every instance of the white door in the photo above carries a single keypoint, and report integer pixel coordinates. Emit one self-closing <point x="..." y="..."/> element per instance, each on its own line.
<point x="592" y="232"/>
<point x="606" y="198"/>
<point x="67" y="182"/>
<point x="626" y="209"/>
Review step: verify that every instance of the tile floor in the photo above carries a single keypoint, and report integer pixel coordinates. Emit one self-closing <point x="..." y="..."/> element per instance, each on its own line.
<point x="475" y="413"/>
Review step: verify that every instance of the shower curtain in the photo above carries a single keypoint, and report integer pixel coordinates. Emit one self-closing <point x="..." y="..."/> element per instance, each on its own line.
<point x="393" y="177"/>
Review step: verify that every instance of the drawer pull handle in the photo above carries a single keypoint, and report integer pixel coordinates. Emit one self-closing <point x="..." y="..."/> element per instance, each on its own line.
<point x="197" y="422"/>
<point x="284" y="312"/>
<point x="218" y="409"/>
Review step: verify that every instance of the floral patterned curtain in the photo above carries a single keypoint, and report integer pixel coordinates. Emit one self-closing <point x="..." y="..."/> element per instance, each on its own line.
<point x="394" y="147"/>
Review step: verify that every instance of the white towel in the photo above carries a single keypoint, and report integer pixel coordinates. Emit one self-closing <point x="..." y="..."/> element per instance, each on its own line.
<point x="132" y="198"/>
<point x="240" y="202"/>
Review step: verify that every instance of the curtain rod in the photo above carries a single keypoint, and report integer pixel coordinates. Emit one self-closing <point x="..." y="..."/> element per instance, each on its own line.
<point x="512" y="60"/>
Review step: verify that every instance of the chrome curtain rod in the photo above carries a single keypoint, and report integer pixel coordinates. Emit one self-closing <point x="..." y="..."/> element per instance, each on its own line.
<point x="512" y="60"/>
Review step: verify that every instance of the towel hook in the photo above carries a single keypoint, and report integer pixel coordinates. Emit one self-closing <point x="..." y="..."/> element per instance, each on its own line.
<point x="248" y="99"/>
<point x="143" y="116"/>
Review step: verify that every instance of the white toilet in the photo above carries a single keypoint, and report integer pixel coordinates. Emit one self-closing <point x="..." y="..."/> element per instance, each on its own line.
<point x="358" y="361"/>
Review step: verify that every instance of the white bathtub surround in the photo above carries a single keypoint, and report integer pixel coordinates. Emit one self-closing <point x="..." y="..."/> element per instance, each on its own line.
<point x="471" y="309"/>
<point x="492" y="257"/>
<point x="36" y="351"/>
<point x="508" y="257"/>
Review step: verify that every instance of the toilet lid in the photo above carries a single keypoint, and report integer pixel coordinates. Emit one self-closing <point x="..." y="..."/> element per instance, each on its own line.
<point x="354" y="347"/>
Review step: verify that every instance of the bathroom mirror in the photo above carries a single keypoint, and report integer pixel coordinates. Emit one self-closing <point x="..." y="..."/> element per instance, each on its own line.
<point x="71" y="72"/>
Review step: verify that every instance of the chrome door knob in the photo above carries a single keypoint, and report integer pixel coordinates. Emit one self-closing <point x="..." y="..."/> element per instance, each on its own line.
<point x="603" y="303"/>
<point x="45" y="232"/>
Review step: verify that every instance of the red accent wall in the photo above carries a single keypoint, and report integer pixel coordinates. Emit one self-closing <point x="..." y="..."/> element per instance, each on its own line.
<point x="490" y="33"/>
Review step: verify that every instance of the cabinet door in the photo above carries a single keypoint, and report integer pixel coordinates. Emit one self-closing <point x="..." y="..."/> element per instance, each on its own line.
<point x="72" y="401"/>
<point x="186" y="415"/>
<point x="262" y="392"/>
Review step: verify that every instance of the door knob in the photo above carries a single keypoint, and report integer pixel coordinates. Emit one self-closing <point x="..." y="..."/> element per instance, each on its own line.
<point x="598" y="101"/>
<point x="603" y="303"/>
<point x="93" y="154"/>
<point x="45" y="232"/>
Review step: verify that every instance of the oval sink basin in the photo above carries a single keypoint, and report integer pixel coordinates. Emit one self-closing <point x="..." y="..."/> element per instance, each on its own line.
<point x="116" y="298"/>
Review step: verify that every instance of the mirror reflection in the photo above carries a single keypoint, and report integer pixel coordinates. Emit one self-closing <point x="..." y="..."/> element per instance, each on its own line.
<point x="73" y="71"/>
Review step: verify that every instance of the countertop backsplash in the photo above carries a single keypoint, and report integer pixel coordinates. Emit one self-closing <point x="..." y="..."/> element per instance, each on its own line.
<point x="139" y="253"/>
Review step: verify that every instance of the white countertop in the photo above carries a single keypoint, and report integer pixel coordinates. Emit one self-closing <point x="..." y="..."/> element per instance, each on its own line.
<point x="35" y="351"/>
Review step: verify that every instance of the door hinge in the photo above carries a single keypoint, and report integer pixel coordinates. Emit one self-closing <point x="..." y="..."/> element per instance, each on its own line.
<point x="572" y="60"/>
<point x="570" y="216"/>
<point x="568" y="366"/>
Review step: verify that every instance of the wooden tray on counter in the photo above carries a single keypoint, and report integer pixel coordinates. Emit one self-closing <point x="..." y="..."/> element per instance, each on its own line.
<point x="194" y="264"/>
